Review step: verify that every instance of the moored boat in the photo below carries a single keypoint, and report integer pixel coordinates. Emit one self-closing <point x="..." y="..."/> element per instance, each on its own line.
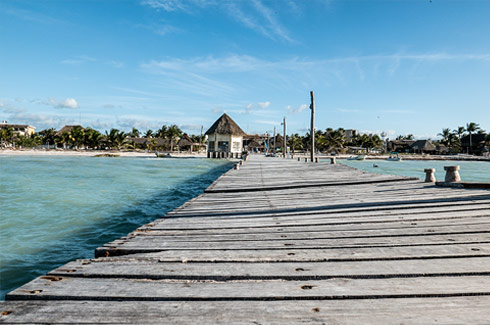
<point x="394" y="157"/>
<point x="162" y="155"/>
<point x="359" y="157"/>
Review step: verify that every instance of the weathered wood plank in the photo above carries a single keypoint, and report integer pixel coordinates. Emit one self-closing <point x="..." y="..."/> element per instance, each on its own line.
<point x="260" y="271"/>
<point x="313" y="255"/>
<point x="450" y="310"/>
<point x="71" y="288"/>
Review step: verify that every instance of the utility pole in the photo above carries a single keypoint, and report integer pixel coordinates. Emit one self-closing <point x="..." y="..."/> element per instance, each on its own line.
<point x="200" y="141"/>
<point x="312" y="128"/>
<point x="274" y="138"/>
<point x="284" y="148"/>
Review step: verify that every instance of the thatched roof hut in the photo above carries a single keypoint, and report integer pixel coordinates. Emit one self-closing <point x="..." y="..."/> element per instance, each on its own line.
<point x="67" y="128"/>
<point x="423" y="146"/>
<point x="225" y="136"/>
<point x="185" y="141"/>
<point x="225" y="125"/>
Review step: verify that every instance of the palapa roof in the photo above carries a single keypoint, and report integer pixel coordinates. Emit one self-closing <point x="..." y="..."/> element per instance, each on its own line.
<point x="278" y="140"/>
<point x="6" y="125"/>
<point x="225" y="125"/>
<point x="423" y="145"/>
<point x="475" y="139"/>
<point x="67" y="128"/>
<point x="253" y="144"/>
<point x="185" y="140"/>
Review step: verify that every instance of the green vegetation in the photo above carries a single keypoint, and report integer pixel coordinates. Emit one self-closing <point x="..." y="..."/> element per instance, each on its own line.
<point x="76" y="137"/>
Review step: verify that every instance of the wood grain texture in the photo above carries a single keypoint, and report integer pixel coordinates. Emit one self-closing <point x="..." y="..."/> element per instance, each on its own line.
<point x="280" y="241"/>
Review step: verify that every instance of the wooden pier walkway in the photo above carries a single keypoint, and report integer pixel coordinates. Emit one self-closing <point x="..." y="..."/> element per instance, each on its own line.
<point x="281" y="241"/>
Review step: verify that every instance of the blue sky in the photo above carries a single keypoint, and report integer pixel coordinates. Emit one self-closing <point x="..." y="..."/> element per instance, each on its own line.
<point x="396" y="66"/>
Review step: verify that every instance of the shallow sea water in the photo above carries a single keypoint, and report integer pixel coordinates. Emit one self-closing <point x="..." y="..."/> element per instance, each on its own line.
<point x="57" y="209"/>
<point x="470" y="171"/>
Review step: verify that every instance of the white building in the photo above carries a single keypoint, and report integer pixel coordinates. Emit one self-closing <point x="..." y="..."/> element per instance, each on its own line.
<point x="225" y="138"/>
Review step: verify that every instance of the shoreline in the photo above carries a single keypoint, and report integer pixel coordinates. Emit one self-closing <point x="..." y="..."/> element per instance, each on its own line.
<point x="94" y="153"/>
<point x="146" y="154"/>
<point x="410" y="157"/>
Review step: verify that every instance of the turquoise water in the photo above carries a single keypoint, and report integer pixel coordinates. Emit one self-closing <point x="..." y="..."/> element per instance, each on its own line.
<point x="56" y="209"/>
<point x="470" y="171"/>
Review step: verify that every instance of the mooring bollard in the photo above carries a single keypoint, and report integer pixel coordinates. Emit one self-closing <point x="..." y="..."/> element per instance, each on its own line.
<point x="429" y="175"/>
<point x="316" y="159"/>
<point x="241" y="162"/>
<point x="237" y="166"/>
<point x="299" y="159"/>
<point x="306" y="159"/>
<point x="452" y="174"/>
<point x="332" y="161"/>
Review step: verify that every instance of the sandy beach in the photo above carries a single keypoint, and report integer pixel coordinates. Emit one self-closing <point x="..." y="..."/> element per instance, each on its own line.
<point x="93" y="153"/>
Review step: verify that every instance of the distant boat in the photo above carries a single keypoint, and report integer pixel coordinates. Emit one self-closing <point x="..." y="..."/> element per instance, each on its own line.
<point x="394" y="157"/>
<point x="162" y="155"/>
<point x="359" y="157"/>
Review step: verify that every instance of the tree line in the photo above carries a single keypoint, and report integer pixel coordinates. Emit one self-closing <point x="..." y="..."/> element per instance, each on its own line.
<point x="334" y="140"/>
<point x="89" y="138"/>
<point x="452" y="139"/>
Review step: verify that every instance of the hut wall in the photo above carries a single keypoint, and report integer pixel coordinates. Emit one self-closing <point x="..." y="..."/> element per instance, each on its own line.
<point x="236" y="144"/>
<point x="224" y="143"/>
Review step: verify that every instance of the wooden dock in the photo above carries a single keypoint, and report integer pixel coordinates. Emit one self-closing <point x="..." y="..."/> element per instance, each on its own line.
<point x="281" y="241"/>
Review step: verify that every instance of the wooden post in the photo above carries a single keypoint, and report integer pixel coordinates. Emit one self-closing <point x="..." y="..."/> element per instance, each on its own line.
<point x="274" y="138"/>
<point x="429" y="175"/>
<point x="312" y="127"/>
<point x="452" y="175"/>
<point x="284" y="147"/>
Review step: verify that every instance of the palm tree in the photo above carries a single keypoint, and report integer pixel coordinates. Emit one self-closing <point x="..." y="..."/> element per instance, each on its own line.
<point x="335" y="139"/>
<point x="173" y="131"/>
<point x="92" y="138"/>
<point x="64" y="139"/>
<point x="48" y="136"/>
<point x="459" y="131"/>
<point x="445" y="134"/>
<point x="135" y="133"/>
<point x="471" y="128"/>
<point x="294" y="141"/>
<point x="162" y="133"/>
<point x="6" y="136"/>
<point x="115" y="139"/>
<point x="149" y="134"/>
<point x="77" y="136"/>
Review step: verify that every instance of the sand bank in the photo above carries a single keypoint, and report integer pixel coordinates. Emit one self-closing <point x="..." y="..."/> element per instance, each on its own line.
<point x="89" y="153"/>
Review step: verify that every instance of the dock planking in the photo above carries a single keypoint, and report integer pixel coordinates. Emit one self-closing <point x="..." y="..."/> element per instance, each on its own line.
<point x="282" y="241"/>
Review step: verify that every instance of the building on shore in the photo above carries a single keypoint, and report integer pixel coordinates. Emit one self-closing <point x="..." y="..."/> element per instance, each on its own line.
<point x="225" y="138"/>
<point x="68" y="128"/>
<point x="474" y="144"/>
<point x="20" y="129"/>
<point x="423" y="146"/>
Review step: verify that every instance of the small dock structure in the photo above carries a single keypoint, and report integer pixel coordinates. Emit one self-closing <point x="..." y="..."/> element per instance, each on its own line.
<point x="283" y="241"/>
<point x="225" y="138"/>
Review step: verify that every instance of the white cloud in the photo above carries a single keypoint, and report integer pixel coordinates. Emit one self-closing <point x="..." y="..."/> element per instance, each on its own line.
<point x="67" y="103"/>
<point x="253" y="14"/>
<point x="347" y="110"/>
<point x="78" y="59"/>
<point x="217" y="110"/>
<point x="115" y="64"/>
<point x="166" y="5"/>
<point x="191" y="127"/>
<point x="269" y="122"/>
<point x="298" y="109"/>
<point x="264" y="104"/>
